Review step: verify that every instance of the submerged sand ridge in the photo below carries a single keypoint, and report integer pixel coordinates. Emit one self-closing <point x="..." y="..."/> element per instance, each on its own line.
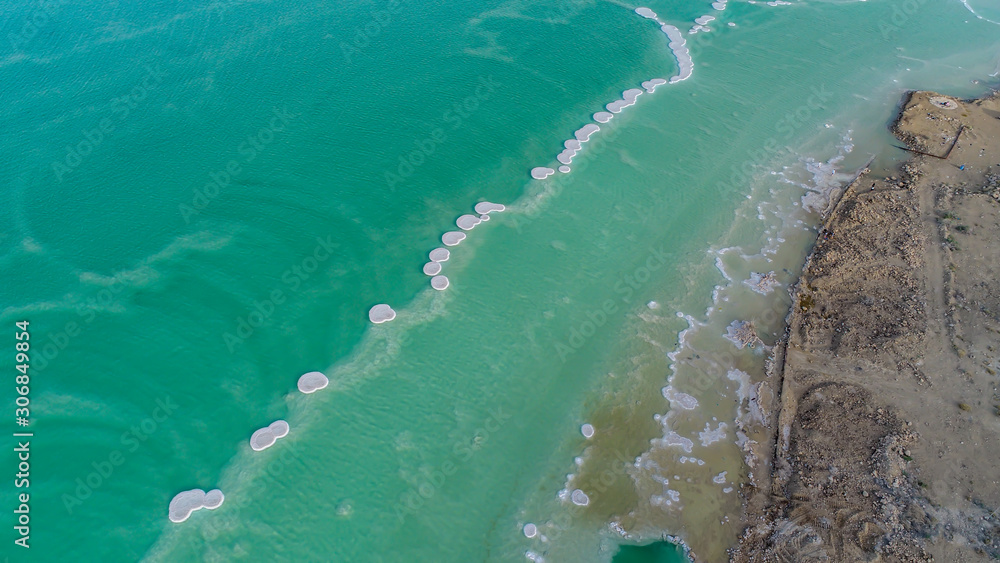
<point x="886" y="445"/>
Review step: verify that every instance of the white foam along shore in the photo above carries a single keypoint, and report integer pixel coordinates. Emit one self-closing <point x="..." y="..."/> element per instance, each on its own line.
<point x="381" y="313"/>
<point x="186" y="502"/>
<point x="312" y="382"/>
<point x="266" y="437"/>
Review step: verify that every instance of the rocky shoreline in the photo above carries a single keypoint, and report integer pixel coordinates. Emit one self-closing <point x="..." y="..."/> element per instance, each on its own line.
<point x="885" y="440"/>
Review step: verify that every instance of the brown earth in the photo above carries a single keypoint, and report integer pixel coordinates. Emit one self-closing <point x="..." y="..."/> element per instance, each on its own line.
<point x="887" y="441"/>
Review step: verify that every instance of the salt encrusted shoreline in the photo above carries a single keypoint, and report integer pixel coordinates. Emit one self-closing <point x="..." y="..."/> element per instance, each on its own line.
<point x="885" y="445"/>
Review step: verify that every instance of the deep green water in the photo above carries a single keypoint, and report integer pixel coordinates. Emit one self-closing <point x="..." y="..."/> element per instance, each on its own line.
<point x="445" y="431"/>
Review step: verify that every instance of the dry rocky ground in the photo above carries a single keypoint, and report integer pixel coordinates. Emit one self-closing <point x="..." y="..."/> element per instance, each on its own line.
<point x="887" y="441"/>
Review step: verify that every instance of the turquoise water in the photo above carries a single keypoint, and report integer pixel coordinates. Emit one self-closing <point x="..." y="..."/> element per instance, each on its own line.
<point x="202" y="202"/>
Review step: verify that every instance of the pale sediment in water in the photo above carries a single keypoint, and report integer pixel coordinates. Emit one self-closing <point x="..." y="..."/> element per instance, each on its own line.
<point x="541" y="172"/>
<point x="186" y="502"/>
<point x="382" y="313"/>
<point x="452" y="238"/>
<point x="440" y="282"/>
<point x="312" y="382"/>
<point x="440" y="255"/>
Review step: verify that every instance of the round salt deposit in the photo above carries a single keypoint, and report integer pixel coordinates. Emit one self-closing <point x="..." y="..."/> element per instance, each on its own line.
<point x="432" y="268"/>
<point x="564" y="169"/>
<point x="279" y="428"/>
<point x="312" y="382"/>
<point x="214" y="499"/>
<point x="573" y="144"/>
<point x="451" y="238"/>
<point x="381" y="313"/>
<point x="587" y="430"/>
<point x="184" y="503"/>
<point x="484" y="217"/>
<point x="467" y="222"/>
<point x="603" y="116"/>
<point x="439" y="282"/>
<point x="653" y="305"/>
<point x="440" y="255"/>
<point x="579" y="498"/>
<point x="646" y="13"/>
<point x="262" y="439"/>
<point x="530" y="530"/>
<point x="484" y="207"/>
<point x="541" y="172"/>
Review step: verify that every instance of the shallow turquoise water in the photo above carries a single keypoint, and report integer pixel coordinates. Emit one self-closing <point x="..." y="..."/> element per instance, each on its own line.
<point x="447" y="430"/>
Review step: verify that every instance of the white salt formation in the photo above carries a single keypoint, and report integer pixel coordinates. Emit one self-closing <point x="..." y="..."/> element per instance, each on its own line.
<point x="541" y="172"/>
<point x="762" y="283"/>
<point x="485" y="207"/>
<point x="439" y="282"/>
<point x="646" y="13"/>
<point x="440" y="255"/>
<point x="573" y="144"/>
<point x="564" y="169"/>
<point x="583" y="134"/>
<point x="651" y="84"/>
<point x="743" y="333"/>
<point x="382" y="313"/>
<point x="267" y="436"/>
<point x="467" y="222"/>
<point x="603" y="116"/>
<point x="681" y="53"/>
<point x="587" y="430"/>
<point x="186" y="502"/>
<point x="566" y="156"/>
<point x="579" y="498"/>
<point x="451" y="238"/>
<point x="678" y="399"/>
<point x="530" y="530"/>
<point x="432" y="268"/>
<point x="312" y="382"/>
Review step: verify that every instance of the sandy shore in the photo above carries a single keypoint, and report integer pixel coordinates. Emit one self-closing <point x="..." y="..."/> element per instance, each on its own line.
<point x="886" y="441"/>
